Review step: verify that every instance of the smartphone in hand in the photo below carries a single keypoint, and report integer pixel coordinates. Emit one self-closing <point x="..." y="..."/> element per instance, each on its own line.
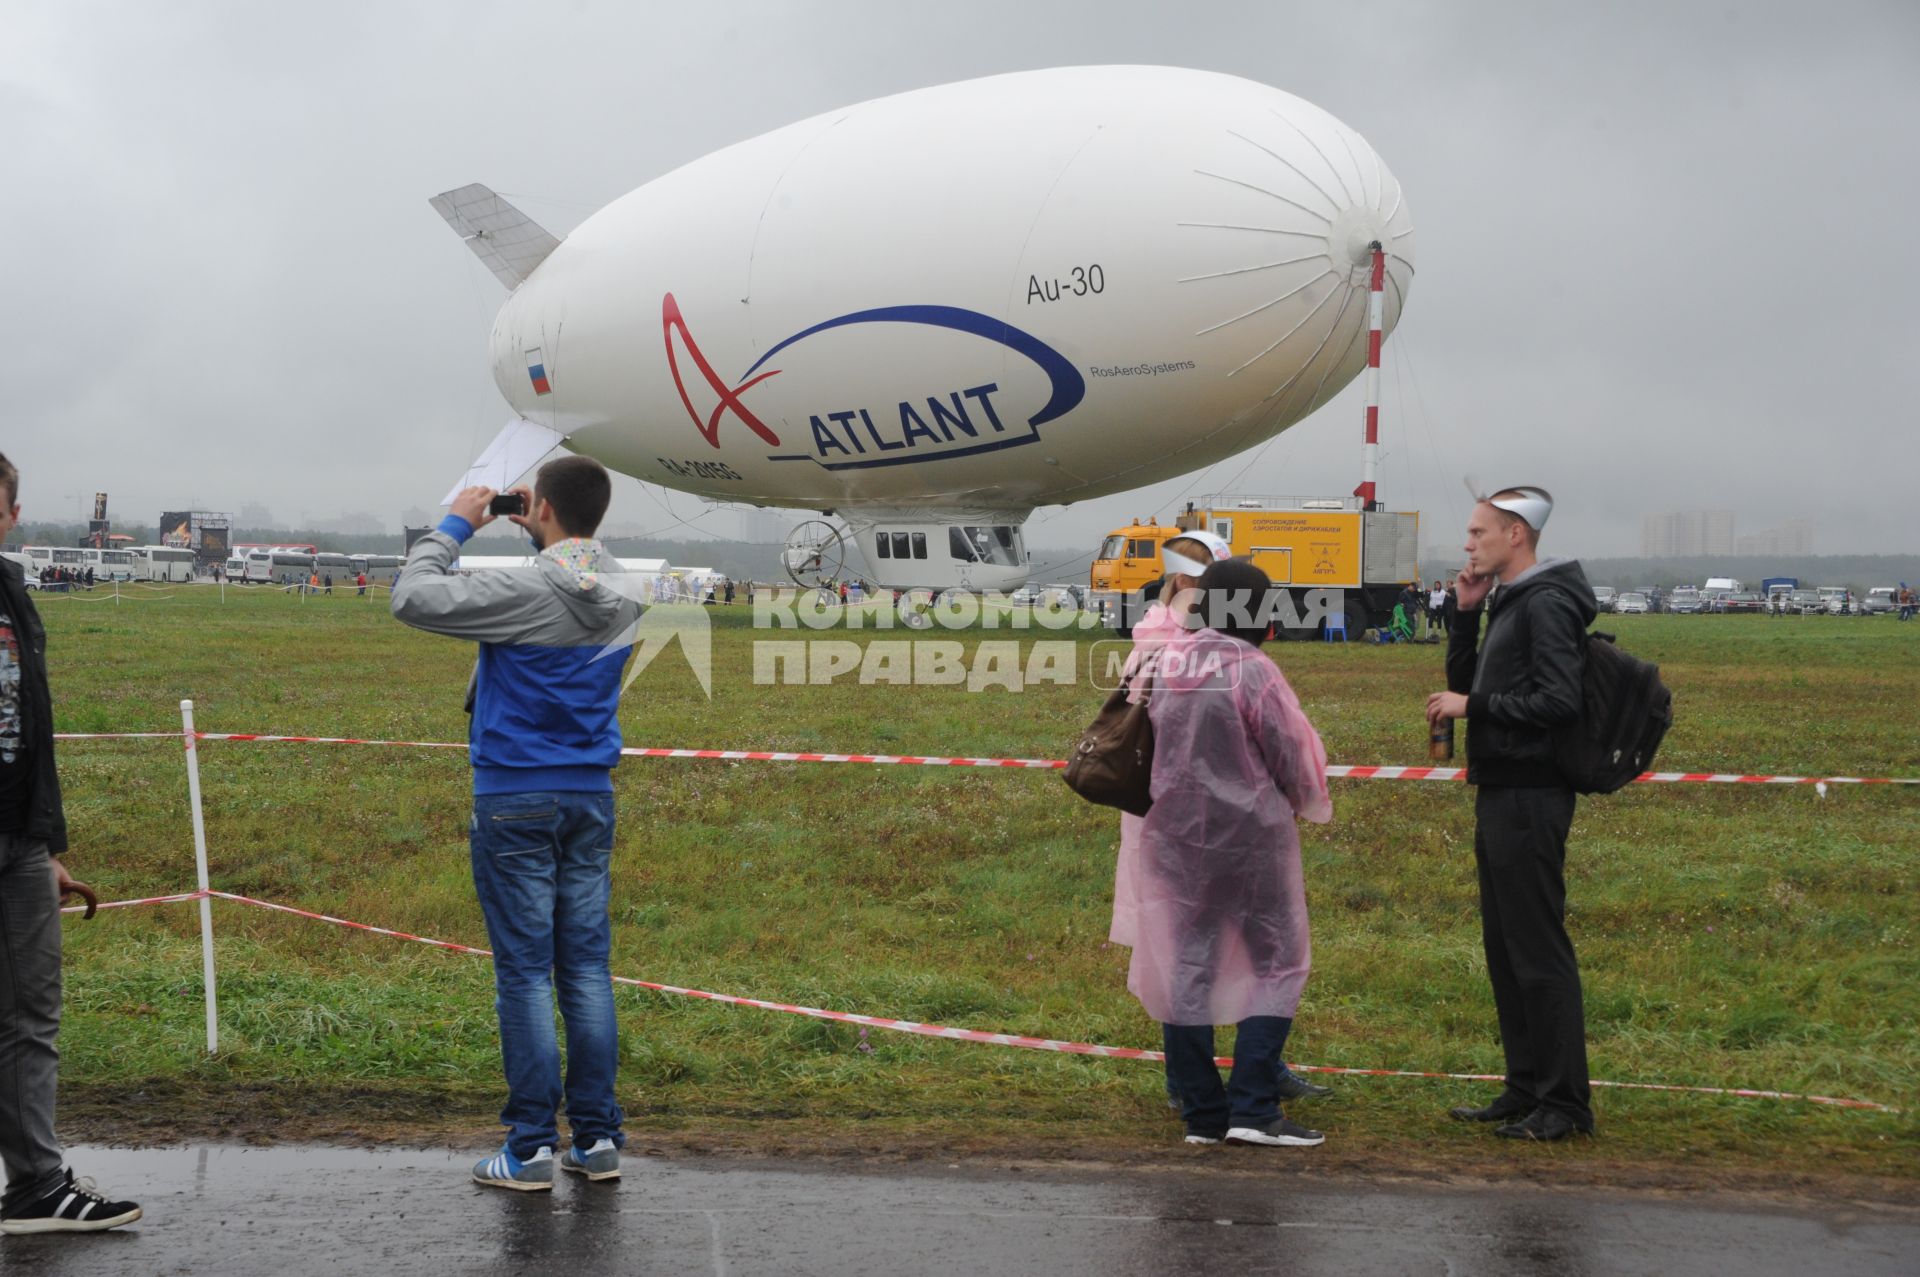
<point x="507" y="503"/>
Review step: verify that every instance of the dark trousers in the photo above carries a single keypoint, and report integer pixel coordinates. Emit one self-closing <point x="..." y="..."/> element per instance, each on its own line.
<point x="1251" y="1096"/>
<point x="29" y="1021"/>
<point x="1520" y="846"/>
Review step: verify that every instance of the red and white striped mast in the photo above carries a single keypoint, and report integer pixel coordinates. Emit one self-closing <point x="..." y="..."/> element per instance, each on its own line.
<point x="1376" y="308"/>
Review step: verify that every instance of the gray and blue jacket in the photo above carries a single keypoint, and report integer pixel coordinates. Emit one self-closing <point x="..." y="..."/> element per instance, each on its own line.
<point x="554" y="639"/>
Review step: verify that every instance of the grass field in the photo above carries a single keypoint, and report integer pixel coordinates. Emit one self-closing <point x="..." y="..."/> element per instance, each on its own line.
<point x="1757" y="937"/>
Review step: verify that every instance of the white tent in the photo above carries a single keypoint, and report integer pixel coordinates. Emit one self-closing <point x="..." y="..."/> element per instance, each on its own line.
<point x="650" y="570"/>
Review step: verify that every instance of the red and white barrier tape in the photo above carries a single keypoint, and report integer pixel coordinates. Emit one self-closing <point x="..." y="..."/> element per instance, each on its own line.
<point x="976" y="1035"/>
<point x="1334" y="771"/>
<point x="128" y="904"/>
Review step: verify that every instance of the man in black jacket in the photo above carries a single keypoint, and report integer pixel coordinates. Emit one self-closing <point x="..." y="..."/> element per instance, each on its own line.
<point x="1516" y="687"/>
<point x="42" y="1194"/>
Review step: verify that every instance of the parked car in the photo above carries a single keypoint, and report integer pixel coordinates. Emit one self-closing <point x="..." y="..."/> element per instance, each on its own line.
<point x="1879" y="599"/>
<point x="1806" y="603"/>
<point x="1603" y="597"/>
<point x="29" y="566"/>
<point x="1741" y="602"/>
<point x="1632" y="602"/>
<point x="1072" y="598"/>
<point x="1686" y="600"/>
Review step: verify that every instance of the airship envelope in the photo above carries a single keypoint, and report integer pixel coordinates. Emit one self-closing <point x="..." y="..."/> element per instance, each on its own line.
<point x="959" y="303"/>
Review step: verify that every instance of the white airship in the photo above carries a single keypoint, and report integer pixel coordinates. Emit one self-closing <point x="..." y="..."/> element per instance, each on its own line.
<point x="929" y="314"/>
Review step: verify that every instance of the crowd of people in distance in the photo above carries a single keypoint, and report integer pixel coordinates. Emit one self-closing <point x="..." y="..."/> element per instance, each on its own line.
<point x="1433" y="605"/>
<point x="62" y="578"/>
<point x="667" y="588"/>
<point x="855" y="591"/>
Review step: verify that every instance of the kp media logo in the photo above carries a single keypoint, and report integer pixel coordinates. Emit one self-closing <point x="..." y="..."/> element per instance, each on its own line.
<point x="948" y="421"/>
<point x="661" y="625"/>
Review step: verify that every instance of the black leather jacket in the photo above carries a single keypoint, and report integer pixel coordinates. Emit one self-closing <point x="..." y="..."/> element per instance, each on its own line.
<point x="1522" y="680"/>
<point x="46" y="818"/>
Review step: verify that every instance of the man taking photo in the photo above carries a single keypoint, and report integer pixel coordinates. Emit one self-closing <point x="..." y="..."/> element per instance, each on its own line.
<point x="544" y="739"/>
<point x="43" y="1195"/>
<point x="1516" y="687"/>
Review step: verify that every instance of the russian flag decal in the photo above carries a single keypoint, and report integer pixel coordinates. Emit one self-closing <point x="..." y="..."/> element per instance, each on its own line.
<point x="537" y="372"/>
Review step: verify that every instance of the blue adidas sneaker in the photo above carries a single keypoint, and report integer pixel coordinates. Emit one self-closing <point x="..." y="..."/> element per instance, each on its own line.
<point x="602" y="1161"/>
<point x="504" y="1170"/>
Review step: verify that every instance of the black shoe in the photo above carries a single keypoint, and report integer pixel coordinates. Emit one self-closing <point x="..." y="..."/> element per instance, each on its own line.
<point x="1510" y="1107"/>
<point x="76" y="1206"/>
<point x="1295" y="1087"/>
<point x="1544" y="1124"/>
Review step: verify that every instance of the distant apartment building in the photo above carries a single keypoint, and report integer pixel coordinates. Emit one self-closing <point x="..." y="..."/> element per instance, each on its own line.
<point x="761" y="526"/>
<point x="1687" y="534"/>
<point x="1794" y="537"/>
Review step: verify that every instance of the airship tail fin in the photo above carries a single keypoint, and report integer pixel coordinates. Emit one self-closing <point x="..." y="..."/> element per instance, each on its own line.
<point x="509" y="242"/>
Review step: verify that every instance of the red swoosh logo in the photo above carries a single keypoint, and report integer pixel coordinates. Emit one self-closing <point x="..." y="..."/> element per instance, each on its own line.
<point x="671" y="320"/>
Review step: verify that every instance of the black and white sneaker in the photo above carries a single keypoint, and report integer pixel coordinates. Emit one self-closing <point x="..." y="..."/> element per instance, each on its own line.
<point x="76" y="1206"/>
<point x="1278" y="1132"/>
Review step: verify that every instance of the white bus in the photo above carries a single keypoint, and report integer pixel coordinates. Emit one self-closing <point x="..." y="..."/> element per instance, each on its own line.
<point x="293" y="566"/>
<point x="380" y="568"/>
<point x="164" y="563"/>
<point x="337" y="566"/>
<point x="116" y="565"/>
<point x="258" y="568"/>
<point x="76" y="561"/>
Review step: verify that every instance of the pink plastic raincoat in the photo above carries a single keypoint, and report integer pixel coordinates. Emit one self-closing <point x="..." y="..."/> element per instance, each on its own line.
<point x="1220" y="925"/>
<point x="1154" y="629"/>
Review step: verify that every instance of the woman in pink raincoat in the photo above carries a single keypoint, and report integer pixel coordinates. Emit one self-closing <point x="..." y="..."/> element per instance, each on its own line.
<point x="1184" y="557"/>
<point x="1219" y="912"/>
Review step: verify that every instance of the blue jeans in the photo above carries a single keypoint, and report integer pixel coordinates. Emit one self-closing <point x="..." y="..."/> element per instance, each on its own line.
<point x="540" y="867"/>
<point x="1251" y="1096"/>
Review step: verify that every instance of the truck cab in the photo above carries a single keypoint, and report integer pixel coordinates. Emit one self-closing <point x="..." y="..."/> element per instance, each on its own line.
<point x="1126" y="562"/>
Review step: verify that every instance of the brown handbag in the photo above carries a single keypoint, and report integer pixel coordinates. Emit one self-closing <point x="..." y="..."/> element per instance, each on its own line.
<point x="1113" y="762"/>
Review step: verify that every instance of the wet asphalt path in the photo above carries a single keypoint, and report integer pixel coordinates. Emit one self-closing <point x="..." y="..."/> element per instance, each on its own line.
<point x="299" y="1210"/>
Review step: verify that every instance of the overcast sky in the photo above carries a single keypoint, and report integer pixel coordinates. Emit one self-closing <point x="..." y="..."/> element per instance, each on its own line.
<point x="1661" y="262"/>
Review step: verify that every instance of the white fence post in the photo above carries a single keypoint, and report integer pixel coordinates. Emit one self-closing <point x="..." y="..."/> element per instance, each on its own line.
<point x="200" y="864"/>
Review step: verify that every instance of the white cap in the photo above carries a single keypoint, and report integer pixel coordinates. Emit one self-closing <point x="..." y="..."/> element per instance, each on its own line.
<point x="1532" y="504"/>
<point x="1175" y="562"/>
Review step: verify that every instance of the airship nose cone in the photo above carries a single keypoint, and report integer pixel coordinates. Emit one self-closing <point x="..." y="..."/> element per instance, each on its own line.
<point x="1351" y="237"/>
<point x="1277" y="254"/>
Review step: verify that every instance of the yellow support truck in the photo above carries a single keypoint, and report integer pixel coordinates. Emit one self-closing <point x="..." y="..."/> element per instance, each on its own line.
<point x="1361" y="558"/>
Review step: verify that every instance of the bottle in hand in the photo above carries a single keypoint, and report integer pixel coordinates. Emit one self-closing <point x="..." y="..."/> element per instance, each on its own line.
<point x="1440" y="742"/>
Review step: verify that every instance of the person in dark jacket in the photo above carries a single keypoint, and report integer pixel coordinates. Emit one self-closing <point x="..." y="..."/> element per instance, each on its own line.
<point x="1517" y="685"/>
<point x="42" y="1194"/>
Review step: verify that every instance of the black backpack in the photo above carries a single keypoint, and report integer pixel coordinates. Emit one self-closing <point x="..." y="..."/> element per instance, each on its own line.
<point x="1625" y="711"/>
